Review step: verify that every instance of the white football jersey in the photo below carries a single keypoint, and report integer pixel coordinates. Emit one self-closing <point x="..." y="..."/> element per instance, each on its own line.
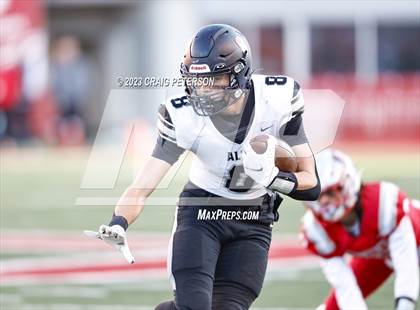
<point x="217" y="164"/>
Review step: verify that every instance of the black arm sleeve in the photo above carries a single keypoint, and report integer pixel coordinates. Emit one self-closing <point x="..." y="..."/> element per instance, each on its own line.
<point x="166" y="147"/>
<point x="293" y="132"/>
<point x="167" y="151"/>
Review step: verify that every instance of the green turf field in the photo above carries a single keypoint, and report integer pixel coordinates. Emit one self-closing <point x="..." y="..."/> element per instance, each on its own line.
<point x="39" y="189"/>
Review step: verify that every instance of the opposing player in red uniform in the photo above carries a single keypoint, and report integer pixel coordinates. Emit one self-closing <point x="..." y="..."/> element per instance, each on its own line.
<point x="375" y="223"/>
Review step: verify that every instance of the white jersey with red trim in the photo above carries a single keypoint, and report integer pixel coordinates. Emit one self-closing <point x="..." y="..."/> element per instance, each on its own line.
<point x="217" y="166"/>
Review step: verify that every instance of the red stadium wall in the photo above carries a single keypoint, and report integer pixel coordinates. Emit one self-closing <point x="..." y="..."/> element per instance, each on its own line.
<point x="385" y="111"/>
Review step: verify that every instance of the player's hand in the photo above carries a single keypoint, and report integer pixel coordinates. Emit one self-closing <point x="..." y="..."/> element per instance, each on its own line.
<point x="260" y="167"/>
<point x="116" y="236"/>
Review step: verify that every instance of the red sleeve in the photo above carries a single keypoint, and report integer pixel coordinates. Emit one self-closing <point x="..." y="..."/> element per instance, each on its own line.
<point x="331" y="302"/>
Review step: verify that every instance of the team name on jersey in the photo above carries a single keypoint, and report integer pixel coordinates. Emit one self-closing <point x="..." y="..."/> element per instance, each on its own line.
<point x="233" y="156"/>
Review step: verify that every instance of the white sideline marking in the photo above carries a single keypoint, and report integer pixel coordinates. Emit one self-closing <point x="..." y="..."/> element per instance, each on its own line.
<point x="75" y="260"/>
<point x="148" y="248"/>
<point x="89" y="278"/>
<point x="63" y="291"/>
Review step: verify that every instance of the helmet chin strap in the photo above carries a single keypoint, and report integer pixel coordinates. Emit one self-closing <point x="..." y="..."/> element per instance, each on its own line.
<point x="234" y="98"/>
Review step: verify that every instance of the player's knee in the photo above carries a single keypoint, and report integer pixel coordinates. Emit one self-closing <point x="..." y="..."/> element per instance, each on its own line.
<point x="197" y="300"/>
<point x="230" y="305"/>
<point x="167" y="305"/>
<point x="193" y="291"/>
<point x="232" y="297"/>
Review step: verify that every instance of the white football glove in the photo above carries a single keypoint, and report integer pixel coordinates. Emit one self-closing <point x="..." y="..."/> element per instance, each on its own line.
<point x="114" y="235"/>
<point x="260" y="167"/>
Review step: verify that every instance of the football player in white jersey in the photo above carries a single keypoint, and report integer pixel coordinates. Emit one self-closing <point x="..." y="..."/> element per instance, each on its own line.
<point x="218" y="253"/>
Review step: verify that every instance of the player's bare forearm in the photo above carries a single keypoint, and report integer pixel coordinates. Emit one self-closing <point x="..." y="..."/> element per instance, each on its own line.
<point x="306" y="175"/>
<point x="305" y="180"/>
<point x="132" y="201"/>
<point x="131" y="204"/>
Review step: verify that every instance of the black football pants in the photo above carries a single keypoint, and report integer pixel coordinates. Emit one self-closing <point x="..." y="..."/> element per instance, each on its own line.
<point x="218" y="264"/>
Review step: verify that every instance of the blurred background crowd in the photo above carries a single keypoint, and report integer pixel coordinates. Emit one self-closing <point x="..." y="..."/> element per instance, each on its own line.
<point x="60" y="59"/>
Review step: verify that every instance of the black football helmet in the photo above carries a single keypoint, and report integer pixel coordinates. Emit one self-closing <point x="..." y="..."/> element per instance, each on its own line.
<point x="216" y="50"/>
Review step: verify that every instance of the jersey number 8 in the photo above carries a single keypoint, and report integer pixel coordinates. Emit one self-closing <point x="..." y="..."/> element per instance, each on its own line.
<point x="275" y="80"/>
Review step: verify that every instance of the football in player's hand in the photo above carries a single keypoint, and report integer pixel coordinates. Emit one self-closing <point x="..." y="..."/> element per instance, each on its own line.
<point x="285" y="158"/>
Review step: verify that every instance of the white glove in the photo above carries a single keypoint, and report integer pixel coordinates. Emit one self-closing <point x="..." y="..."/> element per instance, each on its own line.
<point x="321" y="307"/>
<point x="114" y="235"/>
<point x="260" y="167"/>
